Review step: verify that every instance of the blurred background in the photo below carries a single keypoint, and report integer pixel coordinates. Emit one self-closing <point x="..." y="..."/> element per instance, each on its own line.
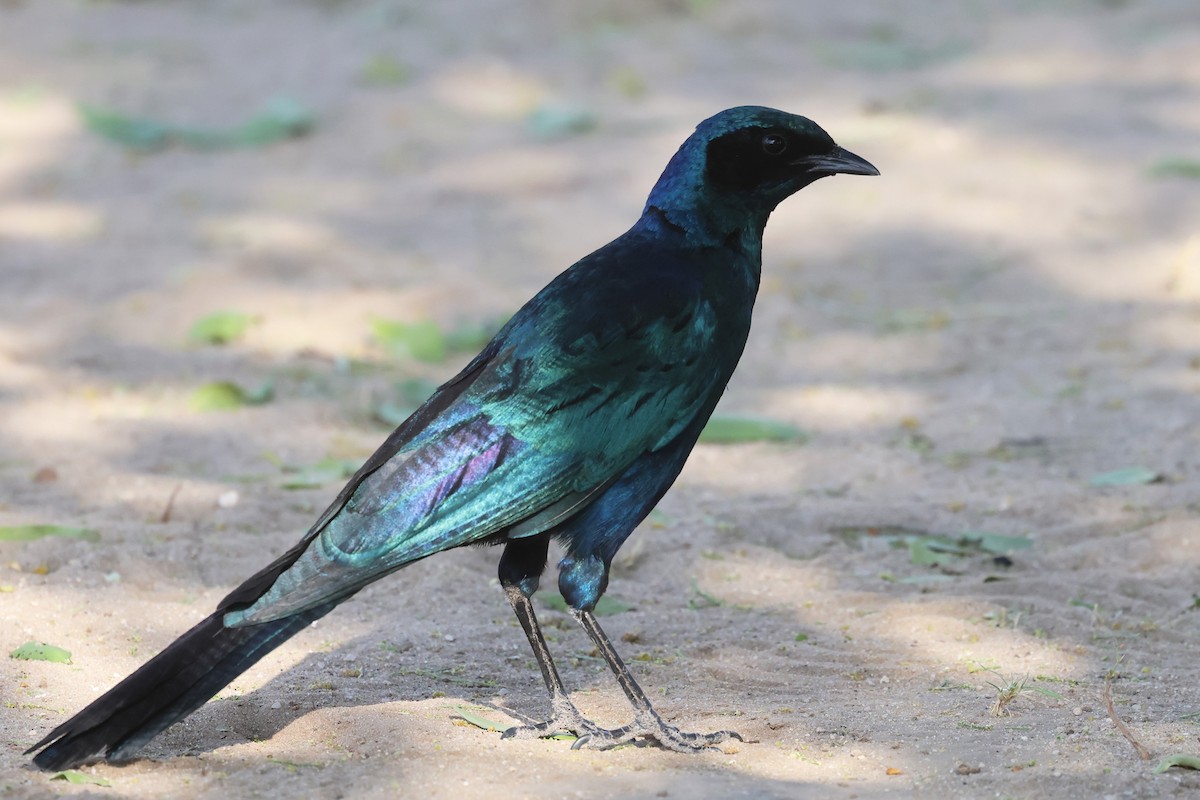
<point x="240" y="241"/>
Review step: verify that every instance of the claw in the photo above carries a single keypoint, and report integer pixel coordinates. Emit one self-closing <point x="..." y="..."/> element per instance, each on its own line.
<point x="668" y="736"/>
<point x="565" y="718"/>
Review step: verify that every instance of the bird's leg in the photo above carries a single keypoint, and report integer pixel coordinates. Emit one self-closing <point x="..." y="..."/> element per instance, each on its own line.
<point x="520" y="567"/>
<point x="647" y="722"/>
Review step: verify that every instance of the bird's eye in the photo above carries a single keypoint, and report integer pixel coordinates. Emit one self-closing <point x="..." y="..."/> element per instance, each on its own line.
<point x="773" y="144"/>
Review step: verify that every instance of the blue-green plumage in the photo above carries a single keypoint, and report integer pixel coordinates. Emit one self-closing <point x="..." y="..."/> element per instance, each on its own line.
<point x="571" y="424"/>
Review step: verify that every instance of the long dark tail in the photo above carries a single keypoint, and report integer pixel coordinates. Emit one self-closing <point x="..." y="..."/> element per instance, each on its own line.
<point x="166" y="689"/>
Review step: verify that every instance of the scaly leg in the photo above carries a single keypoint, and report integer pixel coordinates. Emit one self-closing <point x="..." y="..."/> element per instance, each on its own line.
<point x="520" y="567"/>
<point x="647" y="722"/>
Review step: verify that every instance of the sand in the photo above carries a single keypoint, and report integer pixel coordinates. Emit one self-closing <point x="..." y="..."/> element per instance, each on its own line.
<point x="1011" y="310"/>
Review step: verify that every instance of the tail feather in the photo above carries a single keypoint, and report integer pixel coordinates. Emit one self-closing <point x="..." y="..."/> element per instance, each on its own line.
<point x="166" y="689"/>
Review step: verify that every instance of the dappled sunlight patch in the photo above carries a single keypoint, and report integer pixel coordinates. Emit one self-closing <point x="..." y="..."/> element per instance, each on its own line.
<point x="508" y="172"/>
<point x="1166" y="547"/>
<point x="268" y="232"/>
<point x="752" y="576"/>
<point x="858" y="765"/>
<point x="54" y="420"/>
<point x="16" y="371"/>
<point x="488" y="89"/>
<point x="304" y="194"/>
<point x="848" y="407"/>
<point x="48" y="221"/>
<point x="928" y="636"/>
<point x="958" y="641"/>
<point x="33" y="124"/>
<point x="866" y="356"/>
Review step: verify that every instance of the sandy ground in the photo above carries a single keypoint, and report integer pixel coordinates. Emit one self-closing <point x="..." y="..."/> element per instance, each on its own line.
<point x="1011" y="310"/>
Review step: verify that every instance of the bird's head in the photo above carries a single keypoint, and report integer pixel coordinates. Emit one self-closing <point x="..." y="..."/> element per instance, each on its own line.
<point x="741" y="163"/>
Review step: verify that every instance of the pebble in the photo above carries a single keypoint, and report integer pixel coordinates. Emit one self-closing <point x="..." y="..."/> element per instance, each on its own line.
<point x="227" y="499"/>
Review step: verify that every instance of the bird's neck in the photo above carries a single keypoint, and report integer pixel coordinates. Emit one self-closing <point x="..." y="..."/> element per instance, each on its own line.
<point x="739" y="248"/>
<point x="707" y="228"/>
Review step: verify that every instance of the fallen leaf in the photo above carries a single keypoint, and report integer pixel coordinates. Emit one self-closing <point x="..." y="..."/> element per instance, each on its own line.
<point x="997" y="543"/>
<point x="1176" y="167"/>
<point x="1128" y="476"/>
<point x="480" y="722"/>
<point x="552" y="122"/>
<point x="921" y="554"/>
<point x="420" y="340"/>
<point x="280" y="118"/>
<point x="220" y="327"/>
<point x="384" y="70"/>
<point x="1178" y="760"/>
<point x="226" y="395"/>
<point x="29" y="533"/>
<point x="75" y="776"/>
<point x="40" y="651"/>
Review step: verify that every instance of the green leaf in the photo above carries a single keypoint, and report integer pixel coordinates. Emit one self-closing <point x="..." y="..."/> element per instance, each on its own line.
<point x="220" y="327"/>
<point x="1178" y="760"/>
<point x="549" y="122"/>
<point x="854" y="534"/>
<point x="942" y="544"/>
<point x="480" y="722"/>
<point x="136" y="134"/>
<point x="1176" y="167"/>
<point x="1129" y="476"/>
<point x="732" y="430"/>
<point x="226" y="396"/>
<point x="327" y="470"/>
<point x="75" y="776"/>
<point x="920" y="553"/>
<point x="420" y="340"/>
<point x="629" y="82"/>
<point x="384" y="70"/>
<point x="39" y="651"/>
<point x="927" y="549"/>
<point x="281" y="118"/>
<point x="28" y="533"/>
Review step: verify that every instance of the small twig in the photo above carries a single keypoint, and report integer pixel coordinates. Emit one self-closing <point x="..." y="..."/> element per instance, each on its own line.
<point x="166" y="515"/>
<point x="1142" y="752"/>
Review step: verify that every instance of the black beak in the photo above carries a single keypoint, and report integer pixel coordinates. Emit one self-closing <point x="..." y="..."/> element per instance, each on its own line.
<point x="838" y="161"/>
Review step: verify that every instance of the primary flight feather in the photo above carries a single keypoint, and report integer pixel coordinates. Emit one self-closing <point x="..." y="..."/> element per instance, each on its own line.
<point x="570" y="425"/>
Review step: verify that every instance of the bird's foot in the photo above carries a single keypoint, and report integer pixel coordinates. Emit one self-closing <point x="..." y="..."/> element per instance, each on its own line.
<point x="652" y="725"/>
<point x="564" y="718"/>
